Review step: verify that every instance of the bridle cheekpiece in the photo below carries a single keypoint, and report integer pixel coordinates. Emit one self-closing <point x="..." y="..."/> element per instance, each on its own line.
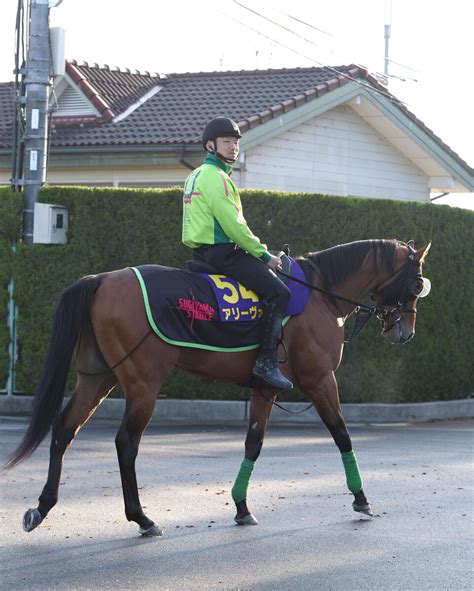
<point x="405" y="285"/>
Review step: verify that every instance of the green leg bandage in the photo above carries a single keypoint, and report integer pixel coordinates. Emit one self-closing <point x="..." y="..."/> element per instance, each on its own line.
<point x="239" y="490"/>
<point x="353" y="477"/>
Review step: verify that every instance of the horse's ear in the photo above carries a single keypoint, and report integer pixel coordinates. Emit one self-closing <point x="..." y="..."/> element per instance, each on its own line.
<point x="421" y="254"/>
<point x="411" y="244"/>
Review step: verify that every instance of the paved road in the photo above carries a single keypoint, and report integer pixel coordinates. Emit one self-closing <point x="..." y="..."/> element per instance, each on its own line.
<point x="418" y="477"/>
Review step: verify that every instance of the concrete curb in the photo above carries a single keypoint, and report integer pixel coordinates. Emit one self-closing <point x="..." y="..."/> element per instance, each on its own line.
<point x="202" y="412"/>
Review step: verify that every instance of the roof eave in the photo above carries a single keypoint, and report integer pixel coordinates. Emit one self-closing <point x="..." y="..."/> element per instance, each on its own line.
<point x="425" y="138"/>
<point x="285" y="120"/>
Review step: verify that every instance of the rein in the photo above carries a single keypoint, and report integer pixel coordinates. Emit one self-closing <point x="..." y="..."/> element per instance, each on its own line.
<point x="275" y="403"/>
<point x="362" y="311"/>
<point x="371" y="309"/>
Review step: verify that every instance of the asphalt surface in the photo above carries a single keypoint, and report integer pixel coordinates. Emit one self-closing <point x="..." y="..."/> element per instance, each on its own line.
<point x="419" y="479"/>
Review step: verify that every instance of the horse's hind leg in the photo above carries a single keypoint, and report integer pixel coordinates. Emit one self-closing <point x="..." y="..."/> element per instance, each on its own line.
<point x="325" y="397"/>
<point x="260" y="410"/>
<point x="87" y="395"/>
<point x="138" y="412"/>
<point x="120" y="322"/>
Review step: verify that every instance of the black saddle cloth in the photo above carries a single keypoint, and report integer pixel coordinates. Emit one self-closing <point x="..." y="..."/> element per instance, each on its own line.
<point x="206" y="311"/>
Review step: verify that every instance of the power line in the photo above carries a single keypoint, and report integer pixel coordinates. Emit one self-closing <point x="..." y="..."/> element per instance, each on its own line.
<point x="329" y="68"/>
<point x="19" y="128"/>
<point x="307" y="24"/>
<point x="382" y="76"/>
<point x="336" y="38"/>
<point x="274" y="22"/>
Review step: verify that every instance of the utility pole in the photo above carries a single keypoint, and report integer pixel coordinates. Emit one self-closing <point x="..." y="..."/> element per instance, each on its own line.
<point x="31" y="132"/>
<point x="37" y="83"/>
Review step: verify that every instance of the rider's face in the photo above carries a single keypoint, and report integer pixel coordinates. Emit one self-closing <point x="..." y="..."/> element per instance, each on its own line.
<point x="228" y="147"/>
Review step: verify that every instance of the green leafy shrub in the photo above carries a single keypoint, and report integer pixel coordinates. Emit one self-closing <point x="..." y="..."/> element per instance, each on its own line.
<point x="115" y="228"/>
<point x="10" y="232"/>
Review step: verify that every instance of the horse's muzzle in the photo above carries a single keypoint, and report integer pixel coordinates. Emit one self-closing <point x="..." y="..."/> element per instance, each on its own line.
<point x="397" y="335"/>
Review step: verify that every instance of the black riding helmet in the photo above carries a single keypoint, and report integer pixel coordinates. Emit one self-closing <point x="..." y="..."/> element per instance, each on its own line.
<point x="220" y="127"/>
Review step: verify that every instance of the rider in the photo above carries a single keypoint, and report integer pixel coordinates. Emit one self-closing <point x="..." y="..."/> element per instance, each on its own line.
<point x="215" y="228"/>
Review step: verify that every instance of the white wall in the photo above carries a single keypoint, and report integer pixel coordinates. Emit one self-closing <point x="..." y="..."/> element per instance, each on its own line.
<point x="336" y="153"/>
<point x="113" y="177"/>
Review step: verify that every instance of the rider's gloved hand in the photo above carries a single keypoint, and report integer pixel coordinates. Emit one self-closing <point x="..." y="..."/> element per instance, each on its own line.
<point x="274" y="263"/>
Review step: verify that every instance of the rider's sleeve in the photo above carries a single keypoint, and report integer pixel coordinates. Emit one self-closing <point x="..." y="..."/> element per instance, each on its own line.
<point x="227" y="209"/>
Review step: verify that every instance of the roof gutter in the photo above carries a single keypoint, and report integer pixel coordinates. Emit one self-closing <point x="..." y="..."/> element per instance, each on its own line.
<point x="177" y="148"/>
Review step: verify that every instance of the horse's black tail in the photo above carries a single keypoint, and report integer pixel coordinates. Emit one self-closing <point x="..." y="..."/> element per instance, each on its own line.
<point x="72" y="311"/>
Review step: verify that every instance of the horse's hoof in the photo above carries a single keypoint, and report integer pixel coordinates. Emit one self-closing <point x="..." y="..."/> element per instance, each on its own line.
<point x="248" y="519"/>
<point x="364" y="509"/>
<point x="31" y="519"/>
<point x="153" y="530"/>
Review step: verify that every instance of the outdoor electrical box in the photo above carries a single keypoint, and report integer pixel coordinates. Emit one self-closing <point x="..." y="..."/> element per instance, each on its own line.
<point x="51" y="224"/>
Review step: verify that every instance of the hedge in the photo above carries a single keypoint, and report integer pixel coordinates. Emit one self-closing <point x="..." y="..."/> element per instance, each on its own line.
<point x="10" y="228"/>
<point x="114" y="228"/>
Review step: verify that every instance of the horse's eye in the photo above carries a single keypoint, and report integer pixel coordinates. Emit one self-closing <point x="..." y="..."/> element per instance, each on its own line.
<point x="417" y="287"/>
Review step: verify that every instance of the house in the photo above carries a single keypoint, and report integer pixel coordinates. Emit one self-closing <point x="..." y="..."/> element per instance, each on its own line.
<point x="322" y="130"/>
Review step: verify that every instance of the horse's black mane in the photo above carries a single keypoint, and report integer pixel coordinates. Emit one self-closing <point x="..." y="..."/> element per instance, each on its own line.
<point x="336" y="263"/>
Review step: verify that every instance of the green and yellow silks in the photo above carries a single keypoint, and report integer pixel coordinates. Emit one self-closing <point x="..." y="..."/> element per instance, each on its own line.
<point x="239" y="490"/>
<point x="353" y="477"/>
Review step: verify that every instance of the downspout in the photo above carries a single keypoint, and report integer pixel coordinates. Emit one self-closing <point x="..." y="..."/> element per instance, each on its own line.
<point x="241" y="168"/>
<point x="184" y="162"/>
<point x="12" y="347"/>
<point x="439" y="196"/>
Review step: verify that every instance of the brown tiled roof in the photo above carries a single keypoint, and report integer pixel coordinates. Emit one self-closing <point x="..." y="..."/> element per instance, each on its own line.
<point x="177" y="113"/>
<point x="7" y="113"/>
<point x="186" y="102"/>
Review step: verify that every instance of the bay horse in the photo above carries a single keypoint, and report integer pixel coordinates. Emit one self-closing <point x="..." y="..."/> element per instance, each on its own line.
<point x="101" y="321"/>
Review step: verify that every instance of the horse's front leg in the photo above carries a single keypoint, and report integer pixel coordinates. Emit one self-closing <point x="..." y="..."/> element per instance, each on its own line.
<point x="260" y="409"/>
<point x="324" y="394"/>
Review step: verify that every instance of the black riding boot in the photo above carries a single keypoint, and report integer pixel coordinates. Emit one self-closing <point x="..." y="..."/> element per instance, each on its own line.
<point x="266" y="365"/>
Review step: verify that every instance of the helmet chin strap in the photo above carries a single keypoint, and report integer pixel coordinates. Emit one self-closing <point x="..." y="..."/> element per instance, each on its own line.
<point x="224" y="159"/>
<point x="221" y="157"/>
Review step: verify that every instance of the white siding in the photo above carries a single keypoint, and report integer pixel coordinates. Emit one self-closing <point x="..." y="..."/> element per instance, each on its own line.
<point x="336" y="153"/>
<point x="119" y="177"/>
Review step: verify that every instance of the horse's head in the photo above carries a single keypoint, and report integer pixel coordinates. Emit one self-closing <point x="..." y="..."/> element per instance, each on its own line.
<point x="397" y="296"/>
